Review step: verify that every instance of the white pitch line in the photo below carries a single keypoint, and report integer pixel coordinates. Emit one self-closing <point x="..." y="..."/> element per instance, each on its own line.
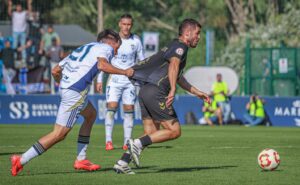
<point x="244" y="147"/>
<point x="229" y="147"/>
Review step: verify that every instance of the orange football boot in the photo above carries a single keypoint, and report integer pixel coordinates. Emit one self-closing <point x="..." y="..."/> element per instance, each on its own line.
<point x="109" y="146"/>
<point x="16" y="165"/>
<point x="86" y="165"/>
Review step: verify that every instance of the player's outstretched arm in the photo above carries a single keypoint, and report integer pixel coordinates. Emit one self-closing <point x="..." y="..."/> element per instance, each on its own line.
<point x="104" y="66"/>
<point x="57" y="73"/>
<point x="188" y="87"/>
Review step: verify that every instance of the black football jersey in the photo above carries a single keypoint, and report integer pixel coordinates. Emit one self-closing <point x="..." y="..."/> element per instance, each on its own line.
<point x="154" y="69"/>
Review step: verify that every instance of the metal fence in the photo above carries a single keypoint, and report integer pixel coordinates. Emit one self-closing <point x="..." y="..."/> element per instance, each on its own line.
<point x="272" y="71"/>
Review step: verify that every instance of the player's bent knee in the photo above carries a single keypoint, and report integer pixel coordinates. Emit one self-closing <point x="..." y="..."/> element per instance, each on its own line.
<point x="111" y="113"/>
<point x="176" y="134"/>
<point x="91" y="117"/>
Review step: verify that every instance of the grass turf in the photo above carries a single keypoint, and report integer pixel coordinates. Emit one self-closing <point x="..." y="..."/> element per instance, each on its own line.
<point x="202" y="155"/>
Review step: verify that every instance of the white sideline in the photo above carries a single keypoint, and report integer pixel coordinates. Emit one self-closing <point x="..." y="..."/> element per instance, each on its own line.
<point x="243" y="147"/>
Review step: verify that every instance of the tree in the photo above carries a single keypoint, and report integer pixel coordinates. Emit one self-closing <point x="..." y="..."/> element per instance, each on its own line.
<point x="279" y="28"/>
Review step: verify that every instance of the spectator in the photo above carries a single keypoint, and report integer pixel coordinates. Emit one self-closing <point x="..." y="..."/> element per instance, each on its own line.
<point x="255" y="111"/>
<point x="34" y="25"/>
<point x="47" y="39"/>
<point x="7" y="56"/>
<point x="7" y="71"/>
<point x="19" y="24"/>
<point x="44" y="45"/>
<point x="220" y="93"/>
<point x="41" y="58"/>
<point x="212" y="113"/>
<point x="35" y="35"/>
<point x="55" y="53"/>
<point x="30" y="53"/>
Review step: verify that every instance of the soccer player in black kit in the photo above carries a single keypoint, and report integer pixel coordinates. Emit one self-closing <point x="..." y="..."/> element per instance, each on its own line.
<point x="158" y="75"/>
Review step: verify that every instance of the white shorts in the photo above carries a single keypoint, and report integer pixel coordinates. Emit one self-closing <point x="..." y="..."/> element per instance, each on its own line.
<point x="72" y="103"/>
<point x="114" y="91"/>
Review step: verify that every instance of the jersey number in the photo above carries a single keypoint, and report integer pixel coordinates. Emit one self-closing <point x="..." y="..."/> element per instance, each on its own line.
<point x="81" y="53"/>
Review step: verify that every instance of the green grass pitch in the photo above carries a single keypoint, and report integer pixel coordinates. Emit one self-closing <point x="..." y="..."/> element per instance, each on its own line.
<point x="202" y="155"/>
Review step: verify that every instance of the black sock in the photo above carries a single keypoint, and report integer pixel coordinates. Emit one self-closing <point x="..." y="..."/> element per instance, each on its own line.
<point x="126" y="157"/>
<point x="83" y="139"/>
<point x="146" y="140"/>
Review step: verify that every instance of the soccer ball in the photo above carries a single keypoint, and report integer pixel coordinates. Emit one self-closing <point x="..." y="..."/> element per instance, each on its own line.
<point x="268" y="159"/>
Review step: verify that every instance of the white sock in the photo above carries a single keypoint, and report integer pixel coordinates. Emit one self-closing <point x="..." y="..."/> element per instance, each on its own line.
<point x="82" y="144"/>
<point x="32" y="152"/>
<point x="127" y="125"/>
<point x="109" y="125"/>
<point x="28" y="155"/>
<point x="138" y="143"/>
<point x="81" y="151"/>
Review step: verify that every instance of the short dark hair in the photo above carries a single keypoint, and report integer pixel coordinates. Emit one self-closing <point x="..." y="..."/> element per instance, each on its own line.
<point x="109" y="34"/>
<point x="126" y="16"/>
<point x="186" y="23"/>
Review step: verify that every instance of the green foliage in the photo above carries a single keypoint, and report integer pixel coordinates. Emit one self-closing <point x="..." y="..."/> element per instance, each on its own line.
<point x="268" y="24"/>
<point x="157" y="15"/>
<point x="279" y="28"/>
<point x="81" y="12"/>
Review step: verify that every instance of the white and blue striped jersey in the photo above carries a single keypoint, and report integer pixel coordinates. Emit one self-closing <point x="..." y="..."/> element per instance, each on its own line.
<point x="80" y="67"/>
<point x="130" y="51"/>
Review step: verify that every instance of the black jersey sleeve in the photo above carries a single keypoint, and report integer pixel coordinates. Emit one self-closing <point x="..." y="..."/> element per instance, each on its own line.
<point x="177" y="50"/>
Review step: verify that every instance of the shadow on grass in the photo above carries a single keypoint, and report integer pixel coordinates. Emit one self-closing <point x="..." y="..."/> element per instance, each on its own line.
<point x="27" y="172"/>
<point x="160" y="147"/>
<point x="153" y="169"/>
<point x="150" y="147"/>
<point x="10" y="153"/>
<point x="189" y="169"/>
<point x="268" y="171"/>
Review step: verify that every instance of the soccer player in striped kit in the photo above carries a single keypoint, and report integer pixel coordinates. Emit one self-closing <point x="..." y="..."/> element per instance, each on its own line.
<point x="75" y="74"/>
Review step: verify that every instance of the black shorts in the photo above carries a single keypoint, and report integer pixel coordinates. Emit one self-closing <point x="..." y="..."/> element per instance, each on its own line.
<point x="153" y="104"/>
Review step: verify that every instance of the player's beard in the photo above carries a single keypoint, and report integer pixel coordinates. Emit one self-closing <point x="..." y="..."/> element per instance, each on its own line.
<point x="193" y="43"/>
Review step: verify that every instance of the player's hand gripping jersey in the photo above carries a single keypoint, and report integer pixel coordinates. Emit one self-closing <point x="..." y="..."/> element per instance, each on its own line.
<point x="154" y="69"/>
<point x="80" y="67"/>
<point x="130" y="51"/>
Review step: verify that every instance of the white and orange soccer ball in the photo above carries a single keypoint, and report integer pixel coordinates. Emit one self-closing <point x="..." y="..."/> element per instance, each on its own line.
<point x="268" y="159"/>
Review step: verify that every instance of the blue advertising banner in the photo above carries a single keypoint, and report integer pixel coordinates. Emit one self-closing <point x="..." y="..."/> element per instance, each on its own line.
<point x="31" y="109"/>
<point x="28" y="108"/>
<point x="283" y="111"/>
<point x="41" y="109"/>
